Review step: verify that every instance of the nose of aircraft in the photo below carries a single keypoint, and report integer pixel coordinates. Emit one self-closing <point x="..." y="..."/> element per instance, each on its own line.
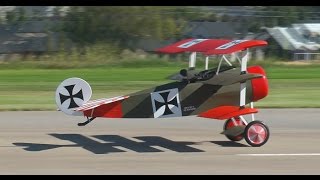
<point x="260" y="86"/>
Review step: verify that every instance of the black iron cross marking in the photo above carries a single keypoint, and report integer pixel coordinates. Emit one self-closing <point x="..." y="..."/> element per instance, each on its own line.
<point x="166" y="103"/>
<point x="71" y="96"/>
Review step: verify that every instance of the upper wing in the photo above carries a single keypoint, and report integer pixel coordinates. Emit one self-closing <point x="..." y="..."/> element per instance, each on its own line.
<point x="211" y="46"/>
<point x="235" y="46"/>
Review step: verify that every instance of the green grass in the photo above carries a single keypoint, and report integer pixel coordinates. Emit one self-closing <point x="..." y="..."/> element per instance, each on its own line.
<point x="292" y="93"/>
<point x="33" y="88"/>
<point x="292" y="86"/>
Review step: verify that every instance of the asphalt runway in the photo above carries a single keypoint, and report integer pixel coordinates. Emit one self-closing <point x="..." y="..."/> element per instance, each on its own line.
<point x="52" y="143"/>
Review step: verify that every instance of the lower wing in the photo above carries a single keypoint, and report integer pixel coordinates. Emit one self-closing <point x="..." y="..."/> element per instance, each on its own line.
<point x="227" y="112"/>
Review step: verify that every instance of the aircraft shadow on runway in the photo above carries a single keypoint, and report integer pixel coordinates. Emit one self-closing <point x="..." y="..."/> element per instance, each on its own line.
<point x="146" y="144"/>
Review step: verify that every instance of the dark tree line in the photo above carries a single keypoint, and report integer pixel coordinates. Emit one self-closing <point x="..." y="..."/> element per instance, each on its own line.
<point x="121" y="24"/>
<point x="87" y="25"/>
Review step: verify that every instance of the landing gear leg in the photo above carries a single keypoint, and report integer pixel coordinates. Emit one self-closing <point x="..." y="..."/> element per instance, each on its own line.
<point x="86" y="122"/>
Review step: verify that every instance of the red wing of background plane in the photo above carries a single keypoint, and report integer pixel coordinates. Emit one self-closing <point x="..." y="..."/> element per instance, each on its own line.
<point x="210" y="46"/>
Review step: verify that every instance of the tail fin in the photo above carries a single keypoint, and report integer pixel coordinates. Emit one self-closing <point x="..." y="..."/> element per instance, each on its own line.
<point x="72" y="93"/>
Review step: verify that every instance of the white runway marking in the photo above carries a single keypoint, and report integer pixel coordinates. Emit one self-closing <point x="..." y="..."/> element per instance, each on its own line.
<point x="299" y="154"/>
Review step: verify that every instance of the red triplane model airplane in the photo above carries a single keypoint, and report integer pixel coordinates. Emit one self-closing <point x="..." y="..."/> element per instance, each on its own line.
<point x="220" y="93"/>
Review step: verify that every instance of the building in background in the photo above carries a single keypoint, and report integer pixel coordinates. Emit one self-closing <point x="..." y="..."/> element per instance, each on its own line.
<point x="33" y="36"/>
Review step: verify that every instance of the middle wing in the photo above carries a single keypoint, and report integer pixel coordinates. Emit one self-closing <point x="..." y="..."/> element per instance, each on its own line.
<point x="228" y="79"/>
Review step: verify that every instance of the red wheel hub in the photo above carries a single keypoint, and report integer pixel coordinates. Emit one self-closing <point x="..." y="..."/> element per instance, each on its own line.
<point x="257" y="133"/>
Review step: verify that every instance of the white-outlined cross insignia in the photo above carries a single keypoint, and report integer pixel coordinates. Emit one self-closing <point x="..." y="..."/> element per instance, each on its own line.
<point x="166" y="103"/>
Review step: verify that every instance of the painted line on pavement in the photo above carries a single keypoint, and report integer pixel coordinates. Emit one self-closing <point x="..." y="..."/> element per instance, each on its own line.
<point x="295" y="154"/>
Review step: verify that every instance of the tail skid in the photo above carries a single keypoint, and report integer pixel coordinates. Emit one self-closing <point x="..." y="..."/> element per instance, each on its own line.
<point x="86" y="122"/>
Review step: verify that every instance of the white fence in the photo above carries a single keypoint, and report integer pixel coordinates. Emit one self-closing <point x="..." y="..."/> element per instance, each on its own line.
<point x="306" y="56"/>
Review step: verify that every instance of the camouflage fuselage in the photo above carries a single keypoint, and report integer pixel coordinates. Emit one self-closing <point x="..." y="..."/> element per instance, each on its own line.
<point x="183" y="99"/>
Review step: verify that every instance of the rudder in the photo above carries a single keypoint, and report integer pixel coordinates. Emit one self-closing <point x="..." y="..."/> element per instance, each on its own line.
<point x="72" y="93"/>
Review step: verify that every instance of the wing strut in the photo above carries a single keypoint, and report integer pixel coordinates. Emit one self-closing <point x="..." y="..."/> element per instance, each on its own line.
<point x="192" y="60"/>
<point x="207" y="62"/>
<point x="243" y="85"/>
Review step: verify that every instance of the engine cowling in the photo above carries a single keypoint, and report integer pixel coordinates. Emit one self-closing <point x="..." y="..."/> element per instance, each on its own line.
<point x="260" y="86"/>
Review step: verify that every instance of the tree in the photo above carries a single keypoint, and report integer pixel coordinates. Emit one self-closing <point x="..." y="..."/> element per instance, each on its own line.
<point x="225" y="18"/>
<point x="21" y="16"/>
<point x="170" y="28"/>
<point x="86" y="25"/>
<point x="212" y="17"/>
<point x="11" y="17"/>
